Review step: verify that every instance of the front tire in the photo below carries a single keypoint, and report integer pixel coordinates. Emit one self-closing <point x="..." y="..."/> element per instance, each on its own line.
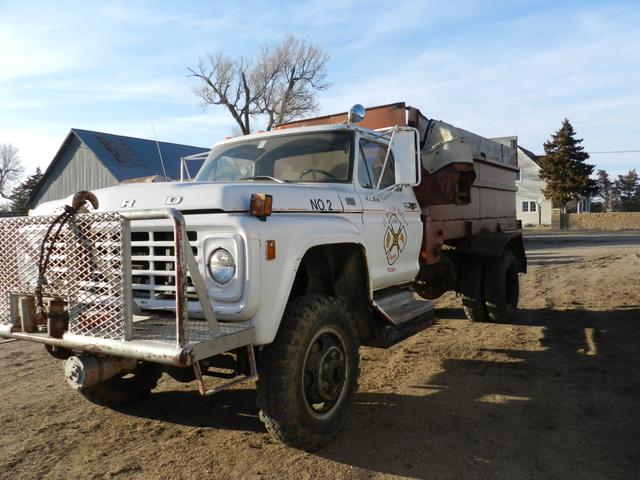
<point x="308" y="375"/>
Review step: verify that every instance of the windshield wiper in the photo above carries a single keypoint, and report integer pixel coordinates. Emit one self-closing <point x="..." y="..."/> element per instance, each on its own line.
<point x="264" y="177"/>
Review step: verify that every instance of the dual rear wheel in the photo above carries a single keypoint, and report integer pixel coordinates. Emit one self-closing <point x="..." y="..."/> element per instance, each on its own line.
<point x="490" y="288"/>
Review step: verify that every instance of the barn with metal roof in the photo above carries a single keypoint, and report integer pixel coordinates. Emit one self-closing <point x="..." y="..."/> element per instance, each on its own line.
<point x="90" y="160"/>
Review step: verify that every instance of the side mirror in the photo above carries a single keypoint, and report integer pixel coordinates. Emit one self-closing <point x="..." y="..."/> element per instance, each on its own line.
<point x="406" y="151"/>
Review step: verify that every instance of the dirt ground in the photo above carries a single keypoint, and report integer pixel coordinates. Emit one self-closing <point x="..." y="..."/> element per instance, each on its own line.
<point x="554" y="396"/>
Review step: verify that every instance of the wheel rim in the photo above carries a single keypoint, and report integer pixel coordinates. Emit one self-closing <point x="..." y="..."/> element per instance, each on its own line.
<point x="325" y="372"/>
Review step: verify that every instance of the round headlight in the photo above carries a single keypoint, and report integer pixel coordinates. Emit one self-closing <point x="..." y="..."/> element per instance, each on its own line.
<point x="222" y="266"/>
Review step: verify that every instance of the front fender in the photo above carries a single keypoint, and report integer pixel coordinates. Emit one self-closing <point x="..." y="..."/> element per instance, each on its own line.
<point x="294" y="236"/>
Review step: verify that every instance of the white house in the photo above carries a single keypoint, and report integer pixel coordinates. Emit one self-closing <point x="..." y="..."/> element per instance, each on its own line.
<point x="531" y="206"/>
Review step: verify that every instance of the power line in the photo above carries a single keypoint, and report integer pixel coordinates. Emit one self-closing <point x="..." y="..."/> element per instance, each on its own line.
<point x="596" y="153"/>
<point x="616" y="151"/>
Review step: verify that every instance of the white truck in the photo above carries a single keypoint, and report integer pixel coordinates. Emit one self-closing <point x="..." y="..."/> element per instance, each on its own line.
<point x="288" y="251"/>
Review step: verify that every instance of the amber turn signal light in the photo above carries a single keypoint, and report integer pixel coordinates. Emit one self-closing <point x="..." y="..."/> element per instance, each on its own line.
<point x="260" y="205"/>
<point x="270" y="249"/>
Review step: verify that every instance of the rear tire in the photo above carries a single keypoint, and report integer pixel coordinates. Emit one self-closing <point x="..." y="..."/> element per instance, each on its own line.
<point x="308" y="375"/>
<point x="125" y="387"/>
<point x="502" y="288"/>
<point x="472" y="289"/>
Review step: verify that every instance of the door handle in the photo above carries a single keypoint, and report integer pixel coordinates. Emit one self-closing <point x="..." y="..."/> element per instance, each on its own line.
<point x="410" y="205"/>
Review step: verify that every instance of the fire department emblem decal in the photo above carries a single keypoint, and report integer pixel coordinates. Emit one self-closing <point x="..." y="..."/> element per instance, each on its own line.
<point x="395" y="237"/>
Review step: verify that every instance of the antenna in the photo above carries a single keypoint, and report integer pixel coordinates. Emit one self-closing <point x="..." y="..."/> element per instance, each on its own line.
<point x="164" y="172"/>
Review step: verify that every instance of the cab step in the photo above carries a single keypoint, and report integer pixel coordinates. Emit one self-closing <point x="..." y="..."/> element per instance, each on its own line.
<point x="205" y="392"/>
<point x="404" y="314"/>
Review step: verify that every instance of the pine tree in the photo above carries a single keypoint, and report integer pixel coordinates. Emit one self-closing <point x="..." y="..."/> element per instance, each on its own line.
<point x="21" y="194"/>
<point x="628" y="188"/>
<point x="607" y="190"/>
<point x="564" y="168"/>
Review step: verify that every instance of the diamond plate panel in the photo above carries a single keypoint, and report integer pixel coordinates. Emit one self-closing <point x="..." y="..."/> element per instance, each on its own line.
<point x="86" y="268"/>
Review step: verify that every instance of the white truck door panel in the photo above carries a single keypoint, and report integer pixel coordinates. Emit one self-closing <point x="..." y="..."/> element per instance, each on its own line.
<point x="391" y="225"/>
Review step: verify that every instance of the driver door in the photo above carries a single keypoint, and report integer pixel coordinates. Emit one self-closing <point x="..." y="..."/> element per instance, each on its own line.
<point x="391" y="224"/>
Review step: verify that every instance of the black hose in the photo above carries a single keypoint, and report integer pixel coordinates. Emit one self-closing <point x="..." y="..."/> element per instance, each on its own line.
<point x="78" y="203"/>
<point x="43" y="261"/>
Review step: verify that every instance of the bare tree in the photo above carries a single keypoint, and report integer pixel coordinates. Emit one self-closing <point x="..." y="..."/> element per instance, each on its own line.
<point x="301" y="74"/>
<point x="10" y="168"/>
<point x="234" y="84"/>
<point x="282" y="84"/>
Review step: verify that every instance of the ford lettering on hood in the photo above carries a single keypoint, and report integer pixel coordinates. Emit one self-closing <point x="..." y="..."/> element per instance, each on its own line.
<point x="210" y="197"/>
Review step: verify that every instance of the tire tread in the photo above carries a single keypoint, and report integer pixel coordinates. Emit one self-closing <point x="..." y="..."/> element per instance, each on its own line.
<point x="276" y="393"/>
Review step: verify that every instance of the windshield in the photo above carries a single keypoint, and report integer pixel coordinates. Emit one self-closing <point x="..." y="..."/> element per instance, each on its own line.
<point x="307" y="157"/>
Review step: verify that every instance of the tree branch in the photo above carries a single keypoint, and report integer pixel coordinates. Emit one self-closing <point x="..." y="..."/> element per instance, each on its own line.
<point x="282" y="85"/>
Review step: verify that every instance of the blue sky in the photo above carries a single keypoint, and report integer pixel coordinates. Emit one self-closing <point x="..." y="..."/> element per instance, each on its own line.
<point x="494" y="67"/>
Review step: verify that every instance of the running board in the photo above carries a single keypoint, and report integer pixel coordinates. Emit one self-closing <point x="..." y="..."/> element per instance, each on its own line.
<point x="404" y="315"/>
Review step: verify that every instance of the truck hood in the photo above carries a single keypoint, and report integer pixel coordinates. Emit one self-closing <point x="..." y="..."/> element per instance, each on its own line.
<point x="209" y="197"/>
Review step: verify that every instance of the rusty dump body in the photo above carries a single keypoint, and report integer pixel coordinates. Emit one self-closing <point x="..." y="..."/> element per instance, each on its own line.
<point x="468" y="181"/>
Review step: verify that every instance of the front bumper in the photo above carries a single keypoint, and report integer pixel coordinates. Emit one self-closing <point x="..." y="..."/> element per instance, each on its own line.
<point x="90" y="272"/>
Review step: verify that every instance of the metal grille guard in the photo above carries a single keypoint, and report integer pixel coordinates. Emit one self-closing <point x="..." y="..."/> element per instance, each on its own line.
<point x="91" y="272"/>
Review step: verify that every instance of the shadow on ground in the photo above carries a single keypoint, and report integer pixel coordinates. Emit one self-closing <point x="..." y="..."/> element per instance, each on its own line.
<point x="568" y="410"/>
<point x="227" y="410"/>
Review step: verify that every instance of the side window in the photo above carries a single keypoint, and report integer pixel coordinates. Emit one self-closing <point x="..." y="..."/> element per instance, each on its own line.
<point x="371" y="165"/>
<point x="532" y="206"/>
<point x="364" y="175"/>
<point x="518" y="175"/>
<point x="525" y="206"/>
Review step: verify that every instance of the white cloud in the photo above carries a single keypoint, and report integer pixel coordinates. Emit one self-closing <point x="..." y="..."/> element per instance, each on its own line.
<point x="209" y="119"/>
<point x="36" y="145"/>
<point x="23" y="54"/>
<point x="137" y="12"/>
<point x="584" y="66"/>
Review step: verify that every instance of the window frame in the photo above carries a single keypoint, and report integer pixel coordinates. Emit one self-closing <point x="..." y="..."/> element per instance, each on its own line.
<point x="389" y="159"/>
<point x="519" y="175"/>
